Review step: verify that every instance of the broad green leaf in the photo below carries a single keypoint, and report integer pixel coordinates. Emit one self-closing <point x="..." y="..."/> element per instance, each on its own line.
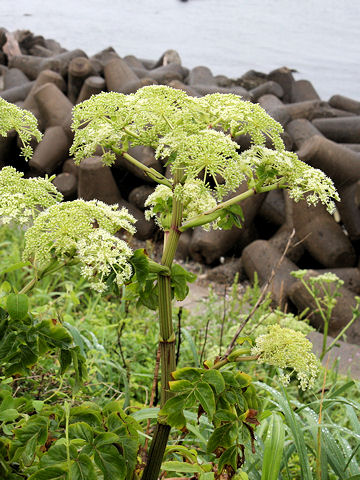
<point x="228" y="458"/>
<point x="236" y="210"/>
<point x="50" y="473"/>
<point x="179" y="281"/>
<point x="149" y="296"/>
<point x="35" y="427"/>
<point x="9" y="415"/>
<point x="145" y="414"/>
<point x="205" y="396"/>
<point x="105" y="438"/>
<point x="79" y="364"/>
<point x="17" y="305"/>
<point x="28" y="355"/>
<point x="81" y="430"/>
<point x="87" y="413"/>
<point x="5" y="288"/>
<point x="82" y="469"/>
<point x="187" y="373"/>
<point x="181" y="467"/>
<point x="215" y="378"/>
<point x="54" y="333"/>
<point x="243" y="379"/>
<point x="110" y="462"/>
<point x="65" y="360"/>
<point x="139" y="261"/>
<point x="223" y="436"/>
<point x="225" y="416"/>
<point x="173" y="404"/>
<point x="172" y="411"/>
<point x="8" y="344"/>
<point x="38" y="405"/>
<point x="57" y="454"/>
<point x="130" y="448"/>
<point x="180" y="385"/>
<point x="229" y="378"/>
<point x="273" y="451"/>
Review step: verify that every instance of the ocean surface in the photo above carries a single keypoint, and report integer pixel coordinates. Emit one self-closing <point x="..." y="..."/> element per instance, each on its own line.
<point x="320" y="39"/>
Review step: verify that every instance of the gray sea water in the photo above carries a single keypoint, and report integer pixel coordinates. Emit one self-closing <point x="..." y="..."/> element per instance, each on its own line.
<point x="318" y="38"/>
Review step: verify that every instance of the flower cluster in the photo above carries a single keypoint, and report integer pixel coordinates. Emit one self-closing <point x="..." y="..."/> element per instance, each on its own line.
<point x="23" y="198"/>
<point x="286" y="348"/>
<point x="22" y="121"/>
<point x="194" y="196"/>
<point x="240" y="117"/>
<point x="184" y="131"/>
<point x="208" y="153"/>
<point x="83" y="231"/>
<point x="100" y="121"/>
<point x="300" y="179"/>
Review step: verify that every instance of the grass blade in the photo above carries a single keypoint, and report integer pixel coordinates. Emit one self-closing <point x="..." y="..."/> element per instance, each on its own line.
<point x="273" y="451"/>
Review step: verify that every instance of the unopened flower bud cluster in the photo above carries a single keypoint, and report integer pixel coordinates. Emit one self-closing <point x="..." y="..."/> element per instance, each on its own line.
<point x="288" y="349"/>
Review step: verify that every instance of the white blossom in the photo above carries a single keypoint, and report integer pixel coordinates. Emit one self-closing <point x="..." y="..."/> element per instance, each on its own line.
<point x="23" y="198"/>
<point x="287" y="348"/>
<point x="83" y="231"/>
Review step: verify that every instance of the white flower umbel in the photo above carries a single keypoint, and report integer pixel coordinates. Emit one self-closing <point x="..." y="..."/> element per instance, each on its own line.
<point x="22" y="121"/>
<point x="100" y="254"/>
<point x="210" y="153"/>
<point x="22" y="199"/>
<point x="300" y="179"/>
<point x="100" y="120"/>
<point x="83" y="231"/>
<point x="195" y="198"/>
<point x="286" y="348"/>
<point x="241" y="117"/>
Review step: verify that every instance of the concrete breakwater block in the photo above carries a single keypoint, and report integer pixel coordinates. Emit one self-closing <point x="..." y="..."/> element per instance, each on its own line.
<point x="321" y="236"/>
<point x="263" y="259"/>
<point x="340" y="163"/>
<point x="345" y="103"/>
<point x="343" y="129"/>
<point x="54" y="107"/>
<point x="51" y="152"/>
<point x="66" y="183"/>
<point x="209" y="246"/>
<point x="49" y="80"/>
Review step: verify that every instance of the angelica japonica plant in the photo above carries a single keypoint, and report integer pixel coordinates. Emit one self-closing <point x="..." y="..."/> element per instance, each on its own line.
<point x="194" y="138"/>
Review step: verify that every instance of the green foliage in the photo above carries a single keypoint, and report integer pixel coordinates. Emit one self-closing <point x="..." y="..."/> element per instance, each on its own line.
<point x="77" y="443"/>
<point x="23" y="122"/>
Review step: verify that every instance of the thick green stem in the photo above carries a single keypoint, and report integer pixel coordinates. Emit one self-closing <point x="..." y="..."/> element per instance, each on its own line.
<point x="29" y="285"/>
<point x="167" y="341"/>
<point x="150" y="172"/>
<point x="215" y="212"/>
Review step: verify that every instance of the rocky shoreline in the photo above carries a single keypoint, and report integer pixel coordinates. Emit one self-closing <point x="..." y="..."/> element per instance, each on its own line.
<point x="41" y="76"/>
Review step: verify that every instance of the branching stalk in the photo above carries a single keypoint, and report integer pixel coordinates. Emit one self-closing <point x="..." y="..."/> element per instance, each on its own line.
<point x="150" y="172"/>
<point x="215" y="212"/>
